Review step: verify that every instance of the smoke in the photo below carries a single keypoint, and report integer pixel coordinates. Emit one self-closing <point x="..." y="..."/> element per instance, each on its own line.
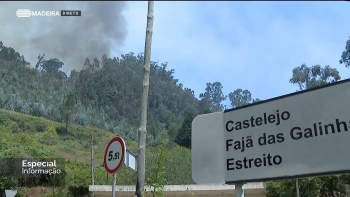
<point x="100" y="30"/>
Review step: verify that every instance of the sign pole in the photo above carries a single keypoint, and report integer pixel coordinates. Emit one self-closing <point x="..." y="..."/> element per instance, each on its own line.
<point x="239" y="190"/>
<point x="114" y="184"/>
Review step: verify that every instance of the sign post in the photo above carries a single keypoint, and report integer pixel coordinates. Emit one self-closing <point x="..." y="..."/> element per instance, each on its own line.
<point x="281" y="138"/>
<point x="114" y="184"/>
<point x="114" y="158"/>
<point x="239" y="190"/>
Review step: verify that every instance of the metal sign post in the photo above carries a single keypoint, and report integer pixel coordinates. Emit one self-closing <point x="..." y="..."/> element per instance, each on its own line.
<point x="239" y="190"/>
<point x="114" y="184"/>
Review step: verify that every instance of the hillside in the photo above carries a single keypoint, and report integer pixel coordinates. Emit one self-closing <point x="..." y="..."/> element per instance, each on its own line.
<point x="107" y="93"/>
<point x="25" y="135"/>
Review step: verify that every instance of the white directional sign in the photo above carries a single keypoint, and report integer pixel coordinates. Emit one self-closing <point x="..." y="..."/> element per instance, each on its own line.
<point x="10" y="193"/>
<point x="297" y="135"/>
<point x="114" y="155"/>
<point x="130" y="160"/>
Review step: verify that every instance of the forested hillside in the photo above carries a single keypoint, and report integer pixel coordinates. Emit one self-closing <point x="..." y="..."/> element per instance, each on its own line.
<point x="104" y="98"/>
<point x="106" y="94"/>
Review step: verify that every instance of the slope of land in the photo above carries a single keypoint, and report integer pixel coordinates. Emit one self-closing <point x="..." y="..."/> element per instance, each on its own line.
<point x="24" y="135"/>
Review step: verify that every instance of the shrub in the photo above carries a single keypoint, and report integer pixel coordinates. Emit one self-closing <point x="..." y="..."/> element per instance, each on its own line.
<point x="79" y="191"/>
<point x="49" y="136"/>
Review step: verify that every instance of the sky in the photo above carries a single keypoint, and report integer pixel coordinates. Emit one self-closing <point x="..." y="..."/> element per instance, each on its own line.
<point x="247" y="45"/>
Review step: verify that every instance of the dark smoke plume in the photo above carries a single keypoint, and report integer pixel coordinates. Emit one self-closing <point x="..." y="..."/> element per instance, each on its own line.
<point x="100" y="30"/>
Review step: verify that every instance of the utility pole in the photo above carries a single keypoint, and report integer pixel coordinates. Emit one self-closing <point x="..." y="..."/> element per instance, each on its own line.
<point x="141" y="164"/>
<point x="92" y="161"/>
<point x="297" y="185"/>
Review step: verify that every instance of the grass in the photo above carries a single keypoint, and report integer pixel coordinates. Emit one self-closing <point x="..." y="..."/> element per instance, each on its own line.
<point x="25" y="135"/>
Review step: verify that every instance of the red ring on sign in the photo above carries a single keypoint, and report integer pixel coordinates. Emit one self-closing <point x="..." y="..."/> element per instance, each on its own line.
<point x="122" y="143"/>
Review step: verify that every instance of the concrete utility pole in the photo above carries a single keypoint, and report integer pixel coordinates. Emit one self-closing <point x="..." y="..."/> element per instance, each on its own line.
<point x="141" y="164"/>
<point x="297" y="185"/>
<point x="92" y="161"/>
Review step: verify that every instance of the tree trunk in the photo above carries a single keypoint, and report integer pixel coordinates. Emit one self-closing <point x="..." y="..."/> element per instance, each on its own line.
<point x="92" y="161"/>
<point x="141" y="164"/>
<point x="67" y="119"/>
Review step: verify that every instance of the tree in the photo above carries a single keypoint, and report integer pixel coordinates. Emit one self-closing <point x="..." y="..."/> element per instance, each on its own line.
<point x="256" y="100"/>
<point x="213" y="97"/>
<point x="183" y="137"/>
<point x="68" y="107"/>
<point x="156" y="179"/>
<point x="141" y="165"/>
<point x="287" y="188"/>
<point x="345" y="57"/>
<point x="73" y="77"/>
<point x="334" y="186"/>
<point x="172" y="132"/>
<point x="40" y="58"/>
<point x="205" y="102"/>
<point x="241" y="97"/>
<point x="52" y="65"/>
<point x="310" y="77"/>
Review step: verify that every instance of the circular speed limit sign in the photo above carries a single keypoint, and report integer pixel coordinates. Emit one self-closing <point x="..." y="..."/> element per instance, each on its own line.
<point x="114" y="155"/>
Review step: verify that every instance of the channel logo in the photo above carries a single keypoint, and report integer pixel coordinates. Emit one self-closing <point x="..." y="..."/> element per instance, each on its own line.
<point x="28" y="13"/>
<point x="23" y="13"/>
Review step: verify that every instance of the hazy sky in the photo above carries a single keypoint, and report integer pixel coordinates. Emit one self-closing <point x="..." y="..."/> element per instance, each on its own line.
<point x="248" y="45"/>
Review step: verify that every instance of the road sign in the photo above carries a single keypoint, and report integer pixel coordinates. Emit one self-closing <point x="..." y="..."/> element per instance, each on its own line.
<point x="114" y="155"/>
<point x="297" y="135"/>
<point x="207" y="151"/>
<point x="10" y="193"/>
<point x="130" y="160"/>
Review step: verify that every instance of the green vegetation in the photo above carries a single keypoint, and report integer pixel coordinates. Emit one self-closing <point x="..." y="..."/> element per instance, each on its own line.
<point x="345" y="57"/>
<point x="69" y="107"/>
<point x="183" y="137"/>
<point x="157" y="170"/>
<point x="105" y="94"/>
<point x="24" y="135"/>
<point x="45" y="113"/>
